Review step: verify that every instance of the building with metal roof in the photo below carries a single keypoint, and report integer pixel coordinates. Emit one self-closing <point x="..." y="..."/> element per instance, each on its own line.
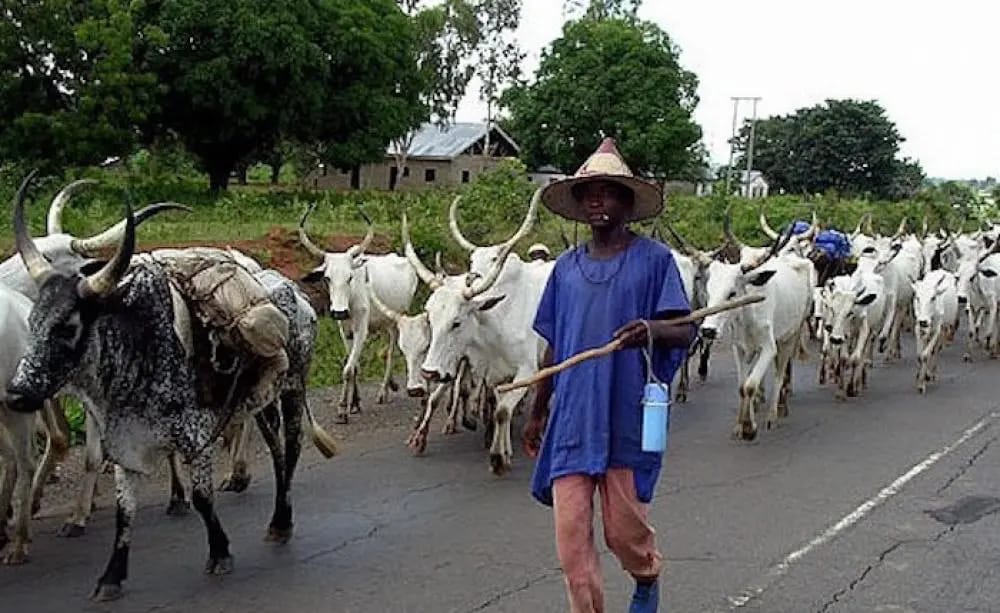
<point x="435" y="156"/>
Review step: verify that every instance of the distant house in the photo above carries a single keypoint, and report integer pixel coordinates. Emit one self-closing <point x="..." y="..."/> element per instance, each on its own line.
<point x="546" y="174"/>
<point x="437" y="156"/>
<point x="757" y="188"/>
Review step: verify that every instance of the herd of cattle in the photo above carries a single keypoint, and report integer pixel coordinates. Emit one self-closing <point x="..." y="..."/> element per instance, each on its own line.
<point x="118" y="335"/>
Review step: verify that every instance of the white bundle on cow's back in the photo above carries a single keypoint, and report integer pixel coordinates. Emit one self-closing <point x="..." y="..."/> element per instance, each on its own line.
<point x="224" y="295"/>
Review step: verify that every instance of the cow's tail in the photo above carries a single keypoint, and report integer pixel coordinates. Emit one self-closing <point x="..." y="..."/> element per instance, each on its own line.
<point x="320" y="437"/>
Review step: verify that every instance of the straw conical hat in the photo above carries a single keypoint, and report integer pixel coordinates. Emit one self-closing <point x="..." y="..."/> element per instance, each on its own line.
<point x="605" y="164"/>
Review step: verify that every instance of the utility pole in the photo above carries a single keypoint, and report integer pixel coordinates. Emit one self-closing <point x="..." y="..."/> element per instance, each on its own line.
<point x="753" y="133"/>
<point x="732" y="142"/>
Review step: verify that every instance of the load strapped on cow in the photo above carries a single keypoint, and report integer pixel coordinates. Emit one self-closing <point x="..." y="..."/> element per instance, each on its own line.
<point x="245" y="329"/>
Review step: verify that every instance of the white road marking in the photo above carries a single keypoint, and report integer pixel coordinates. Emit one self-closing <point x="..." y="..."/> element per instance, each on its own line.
<point x="781" y="568"/>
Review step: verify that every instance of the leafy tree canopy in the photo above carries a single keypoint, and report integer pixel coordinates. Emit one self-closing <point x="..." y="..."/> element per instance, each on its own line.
<point x="609" y="76"/>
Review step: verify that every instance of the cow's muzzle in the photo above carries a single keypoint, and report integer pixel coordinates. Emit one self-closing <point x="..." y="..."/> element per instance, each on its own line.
<point x="837" y="340"/>
<point x="23" y="403"/>
<point x="709" y="334"/>
<point x="923" y="323"/>
<point x="963" y="300"/>
<point x="435" y="377"/>
<point x="340" y="315"/>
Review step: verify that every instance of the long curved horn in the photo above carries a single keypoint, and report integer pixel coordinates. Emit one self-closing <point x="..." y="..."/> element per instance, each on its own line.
<point x="868" y="224"/>
<point x="562" y="235"/>
<point x="776" y="248"/>
<point x="104" y="281"/>
<point x="901" y="229"/>
<point x="529" y="220"/>
<point x="38" y="267"/>
<point x="686" y="248"/>
<point x="423" y="272"/>
<point x="93" y="246"/>
<point x="438" y="266"/>
<point x="488" y="281"/>
<point x="923" y="228"/>
<point x="727" y="228"/>
<point x="766" y="227"/>
<point x="366" y="242"/>
<point x="54" y="220"/>
<point x="381" y="306"/>
<point x="453" y="224"/>
<point x="304" y="238"/>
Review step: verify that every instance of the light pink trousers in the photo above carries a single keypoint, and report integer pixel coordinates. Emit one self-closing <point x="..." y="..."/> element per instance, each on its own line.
<point x="626" y="532"/>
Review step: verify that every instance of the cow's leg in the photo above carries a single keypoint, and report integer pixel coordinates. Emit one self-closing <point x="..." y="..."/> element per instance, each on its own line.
<point x="885" y="333"/>
<point x="751" y="387"/>
<point x="489" y="405"/>
<point x="681" y="395"/>
<point x="76" y="525"/>
<point x="109" y="586"/>
<point x="465" y="396"/>
<point x="782" y="373"/>
<point x="858" y="358"/>
<point x="897" y="335"/>
<point x="293" y="410"/>
<point x="56" y="448"/>
<point x="179" y="504"/>
<point x="417" y="440"/>
<point x="388" y="384"/>
<point x="742" y="414"/>
<point x="706" y="349"/>
<point x="349" y="400"/>
<point x="238" y="479"/>
<point x="8" y="474"/>
<point x="220" y="561"/>
<point x="280" y="528"/>
<point x="451" y="423"/>
<point x="502" y="450"/>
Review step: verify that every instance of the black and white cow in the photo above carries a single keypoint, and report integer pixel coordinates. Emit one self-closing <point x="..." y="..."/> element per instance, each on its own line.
<point x="112" y="339"/>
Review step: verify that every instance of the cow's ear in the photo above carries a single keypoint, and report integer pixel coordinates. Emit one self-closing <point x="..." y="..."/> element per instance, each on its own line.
<point x="489" y="303"/>
<point x="988" y="273"/>
<point x="315" y="275"/>
<point x="866" y="299"/>
<point x="761" y="278"/>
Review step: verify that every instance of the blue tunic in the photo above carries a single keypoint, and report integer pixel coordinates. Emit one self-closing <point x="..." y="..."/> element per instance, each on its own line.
<point x="596" y="418"/>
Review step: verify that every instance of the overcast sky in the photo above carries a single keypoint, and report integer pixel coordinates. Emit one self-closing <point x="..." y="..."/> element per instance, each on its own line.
<point x="932" y="65"/>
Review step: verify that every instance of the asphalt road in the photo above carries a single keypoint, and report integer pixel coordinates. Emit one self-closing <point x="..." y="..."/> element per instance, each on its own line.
<point x="881" y="503"/>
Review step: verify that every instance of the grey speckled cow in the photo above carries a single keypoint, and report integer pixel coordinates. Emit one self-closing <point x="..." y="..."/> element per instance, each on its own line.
<point x="114" y="343"/>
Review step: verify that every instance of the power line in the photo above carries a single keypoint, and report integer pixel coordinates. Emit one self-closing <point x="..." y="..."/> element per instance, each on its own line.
<point x="732" y="141"/>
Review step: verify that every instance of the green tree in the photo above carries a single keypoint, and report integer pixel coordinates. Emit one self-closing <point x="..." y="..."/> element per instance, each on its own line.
<point x="848" y="146"/>
<point x="604" y="9"/>
<point x="70" y="93"/>
<point x="500" y="60"/>
<point x="238" y="78"/>
<point x="609" y="77"/>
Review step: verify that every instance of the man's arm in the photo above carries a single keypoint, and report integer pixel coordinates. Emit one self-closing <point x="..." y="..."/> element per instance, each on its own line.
<point x="665" y="335"/>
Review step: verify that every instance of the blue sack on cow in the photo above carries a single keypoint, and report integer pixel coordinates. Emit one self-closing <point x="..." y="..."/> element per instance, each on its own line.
<point x="800" y="227"/>
<point x="836" y="245"/>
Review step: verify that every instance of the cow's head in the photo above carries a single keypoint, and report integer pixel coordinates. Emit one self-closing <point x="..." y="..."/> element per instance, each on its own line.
<point x="482" y="260"/>
<point x="455" y="311"/>
<point x="413" y="336"/>
<point x="927" y="303"/>
<point x="343" y="271"/>
<point x="69" y="301"/>
<point x="730" y="281"/>
<point x="847" y="300"/>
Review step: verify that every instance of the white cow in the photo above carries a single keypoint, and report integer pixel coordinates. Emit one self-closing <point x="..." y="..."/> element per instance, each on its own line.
<point x="971" y="288"/>
<point x="935" y="303"/>
<point x="988" y="282"/>
<point x="491" y="318"/>
<point x="23" y="477"/>
<point x="765" y="334"/>
<point x="857" y="309"/>
<point x="348" y="274"/>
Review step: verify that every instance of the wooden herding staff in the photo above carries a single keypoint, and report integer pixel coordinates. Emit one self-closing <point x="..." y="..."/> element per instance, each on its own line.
<point x="615" y="345"/>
